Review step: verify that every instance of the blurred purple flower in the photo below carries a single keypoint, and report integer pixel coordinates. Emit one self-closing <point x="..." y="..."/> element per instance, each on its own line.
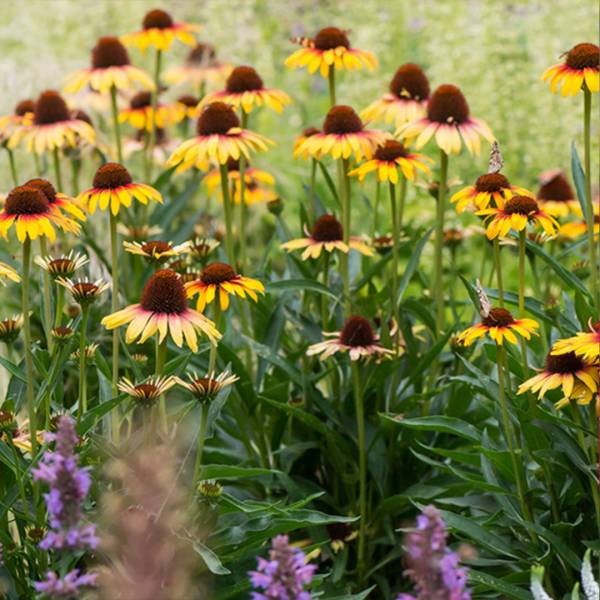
<point x="69" y="485"/>
<point x="284" y="575"/>
<point x="66" y="588"/>
<point x="432" y="566"/>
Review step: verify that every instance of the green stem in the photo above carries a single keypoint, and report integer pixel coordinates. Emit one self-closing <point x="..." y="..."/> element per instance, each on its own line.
<point x="57" y="173"/>
<point x="201" y="440"/>
<point x="243" y="208"/>
<point x="312" y="209"/>
<point x="152" y="143"/>
<point x="362" y="467"/>
<point x="13" y="167"/>
<point x="376" y="208"/>
<point x="161" y="359"/>
<point x="60" y="302"/>
<point x="27" y="342"/>
<point x="227" y="210"/>
<point x="343" y="184"/>
<point x="587" y="112"/>
<point x="38" y="164"/>
<point x="114" y="255"/>
<point x="331" y="79"/>
<point x="498" y="264"/>
<point x="47" y="299"/>
<point x="324" y="311"/>
<point x="395" y="240"/>
<point x="116" y="125"/>
<point x="438" y="284"/>
<point x="75" y="169"/>
<point x="401" y="204"/>
<point x="533" y="403"/>
<point x="82" y="400"/>
<point x="212" y="357"/>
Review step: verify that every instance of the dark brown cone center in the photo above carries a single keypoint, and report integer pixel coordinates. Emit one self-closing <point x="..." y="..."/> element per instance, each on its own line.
<point x="557" y="189"/>
<point x="390" y="151"/>
<point x="156" y="246"/>
<point x="50" y="108"/>
<point x="157" y="19"/>
<point x="310" y="131"/>
<point x="448" y="105"/>
<point x="141" y="100"/>
<point x="164" y="293"/>
<point x="188" y="100"/>
<point x="563" y="363"/>
<point x="357" y="331"/>
<point x="331" y="37"/>
<point x="217" y="118"/>
<point x="498" y="317"/>
<point x="522" y="205"/>
<point x="24" y="200"/>
<point x="201" y="53"/>
<point x="45" y="187"/>
<point x="109" y="52"/>
<point x="327" y="229"/>
<point x="147" y="390"/>
<point x="111" y="176"/>
<point x="342" y="119"/>
<point x="84" y="288"/>
<point x="61" y="265"/>
<point x="491" y="182"/>
<point x="24" y="107"/>
<point x="216" y="273"/>
<point x="243" y="79"/>
<point x="410" y="82"/>
<point x="583" y="56"/>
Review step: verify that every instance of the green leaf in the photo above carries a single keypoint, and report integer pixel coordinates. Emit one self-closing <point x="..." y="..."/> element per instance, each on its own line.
<point x="13" y="369"/>
<point x="439" y="423"/>
<point x="493" y="583"/>
<point x="329" y="182"/>
<point x="211" y="560"/>
<point x="412" y="265"/>
<point x="578" y="179"/>
<point x="232" y="472"/>
<point x="302" y="285"/>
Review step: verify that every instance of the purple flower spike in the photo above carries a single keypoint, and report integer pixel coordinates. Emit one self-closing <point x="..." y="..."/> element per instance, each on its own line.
<point x="66" y="588"/>
<point x="284" y="575"/>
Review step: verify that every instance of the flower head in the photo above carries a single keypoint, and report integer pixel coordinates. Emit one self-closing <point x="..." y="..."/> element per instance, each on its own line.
<point x="89" y="352"/>
<point x="284" y="575"/>
<point x="84" y="292"/>
<point x="157" y="252"/>
<point x="163" y="309"/>
<point x="579" y="69"/>
<point x="585" y="344"/>
<point x="201" y="248"/>
<point x="64" y="588"/>
<point x="498" y="324"/>
<point x="142" y="115"/>
<point x="7" y="272"/>
<point x="329" y="48"/>
<point x="258" y="183"/>
<point x="113" y="187"/>
<point x="147" y="392"/>
<point x="57" y="199"/>
<point x="356" y="337"/>
<point x="63" y="266"/>
<point x="206" y="388"/>
<point x="326" y="234"/>
<point x="10" y="328"/>
<point x="555" y="194"/>
<point x="448" y="118"/>
<point x="218" y="280"/>
<point x="406" y="100"/>
<point x="200" y="67"/>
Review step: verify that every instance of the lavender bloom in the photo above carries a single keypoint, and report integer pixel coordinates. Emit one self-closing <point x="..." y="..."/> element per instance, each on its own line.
<point x="284" y="575"/>
<point x="66" y="588"/>
<point x="69" y="485"/>
<point x="432" y="566"/>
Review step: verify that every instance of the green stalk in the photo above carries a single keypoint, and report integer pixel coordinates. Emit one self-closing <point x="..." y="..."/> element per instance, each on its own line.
<point x="117" y="127"/>
<point x="152" y="142"/>
<point x="38" y="164"/>
<point x="438" y="284"/>
<point x="331" y="79"/>
<point x="57" y="173"/>
<point x="343" y="184"/>
<point x="401" y="204"/>
<point x="212" y="357"/>
<point x="75" y="169"/>
<point x="114" y="255"/>
<point x="498" y="264"/>
<point x="60" y="303"/>
<point x="27" y="341"/>
<point x="243" y="208"/>
<point x="201" y="440"/>
<point x="312" y="209"/>
<point x="324" y="311"/>
<point x="161" y="358"/>
<point x="13" y="167"/>
<point x="362" y="467"/>
<point x="376" y="208"/>
<point x="522" y="309"/>
<point x="82" y="400"/>
<point x="227" y="210"/>
<point x="395" y="236"/>
<point x="47" y="299"/>
<point x="587" y="112"/>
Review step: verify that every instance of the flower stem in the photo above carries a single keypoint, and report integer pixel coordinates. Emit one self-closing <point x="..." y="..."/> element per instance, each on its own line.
<point x="324" y="311"/>
<point x="60" y="303"/>
<point x="57" y="173"/>
<point x="376" y="208"/>
<point x="161" y="358"/>
<point x="395" y="236"/>
<point x="117" y="127"/>
<point x="331" y="80"/>
<point x="587" y="111"/>
<point x="438" y="284"/>
<point x="212" y="357"/>
<point x="152" y="142"/>
<point x="47" y="299"/>
<point x="522" y="309"/>
<point x="312" y="209"/>
<point x="498" y="264"/>
<point x="201" y="440"/>
<point x="27" y="341"/>
<point x="13" y="167"/>
<point x="227" y="211"/>
<point x="362" y="467"/>
<point x="243" y="208"/>
<point x="75" y="169"/>
<point x="114" y="254"/>
<point x="82" y="401"/>
<point x="343" y="184"/>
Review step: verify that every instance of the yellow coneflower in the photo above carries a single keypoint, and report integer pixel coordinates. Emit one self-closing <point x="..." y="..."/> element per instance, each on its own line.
<point x="187" y="106"/>
<point x="556" y="196"/>
<point x="244" y="88"/>
<point x="388" y="158"/>
<point x="449" y="120"/>
<point x="406" y="100"/>
<point x="84" y="292"/>
<point x="57" y="199"/>
<point x="147" y="392"/>
<point x="487" y="188"/>
<point x="62" y="333"/>
<point x="89" y="352"/>
<point x="22" y="115"/>
<point x="113" y="187"/>
<point x="306" y="133"/>
<point x="580" y="65"/>
<point x="10" y="328"/>
<point x="206" y="388"/>
<point x="499" y="324"/>
<point x="219" y="138"/>
<point x="329" y="48"/>
<point x="577" y="376"/>
<point x="110" y="68"/>
<point x="585" y="344"/>
<point x="343" y="135"/>
<point x="576" y="229"/>
<point x="7" y="272"/>
<point x="218" y="280"/>
<point x="327" y="234"/>
<point x="201" y="248"/>
<point x="52" y="127"/>
<point x="357" y="337"/>
<point x="28" y="209"/>
<point x="157" y="251"/>
<point x="201" y="67"/>
<point x="140" y="113"/>
<point x="160" y="31"/>
<point x="163" y="309"/>
<point x="516" y="213"/>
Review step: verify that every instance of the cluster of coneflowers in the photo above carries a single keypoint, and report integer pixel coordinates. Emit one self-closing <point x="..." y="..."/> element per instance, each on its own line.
<point x="219" y="107"/>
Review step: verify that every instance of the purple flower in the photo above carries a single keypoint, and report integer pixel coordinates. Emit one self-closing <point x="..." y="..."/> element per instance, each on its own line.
<point x="66" y="588"/>
<point x="284" y="575"/>
<point x="432" y="566"/>
<point x="69" y="485"/>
